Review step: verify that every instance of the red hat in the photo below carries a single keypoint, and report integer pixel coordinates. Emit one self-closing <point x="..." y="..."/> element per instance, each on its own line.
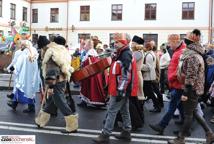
<point x="122" y="38"/>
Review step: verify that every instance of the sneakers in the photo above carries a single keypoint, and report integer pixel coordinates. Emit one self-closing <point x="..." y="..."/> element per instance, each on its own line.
<point x="157" y="128"/>
<point x="102" y="139"/>
<point x="124" y="135"/>
<point x="178" y="140"/>
<point x="30" y="109"/>
<point x="10" y="96"/>
<point x="12" y="104"/>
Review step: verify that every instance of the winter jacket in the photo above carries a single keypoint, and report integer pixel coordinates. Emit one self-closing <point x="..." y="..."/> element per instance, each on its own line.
<point x="123" y="74"/>
<point x="193" y="69"/>
<point x="172" y="68"/>
<point x="164" y="61"/>
<point x="149" y="66"/>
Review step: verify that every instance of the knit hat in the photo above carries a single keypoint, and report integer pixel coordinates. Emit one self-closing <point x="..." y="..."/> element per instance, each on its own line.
<point x="123" y="38"/>
<point x="42" y="41"/>
<point x="138" y="40"/>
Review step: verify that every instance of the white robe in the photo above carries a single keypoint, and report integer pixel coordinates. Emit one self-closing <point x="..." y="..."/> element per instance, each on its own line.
<point x="15" y="57"/>
<point x="27" y="73"/>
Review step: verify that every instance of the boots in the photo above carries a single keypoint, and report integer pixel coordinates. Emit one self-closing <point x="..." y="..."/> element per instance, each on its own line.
<point x="157" y="128"/>
<point x="31" y="108"/>
<point x="178" y="140"/>
<point x="12" y="104"/>
<point x="71" y="124"/>
<point x="209" y="138"/>
<point x="124" y="135"/>
<point x="102" y="139"/>
<point x="42" y="119"/>
<point x="10" y="96"/>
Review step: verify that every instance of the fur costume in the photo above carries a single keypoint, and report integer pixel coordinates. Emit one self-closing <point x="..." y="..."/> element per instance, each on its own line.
<point x="60" y="56"/>
<point x="42" y="118"/>
<point x="71" y="122"/>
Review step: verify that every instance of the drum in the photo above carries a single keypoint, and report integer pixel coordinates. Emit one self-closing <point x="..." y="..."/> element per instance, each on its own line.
<point x="91" y="70"/>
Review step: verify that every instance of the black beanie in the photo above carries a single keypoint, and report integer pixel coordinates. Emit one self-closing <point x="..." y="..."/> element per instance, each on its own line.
<point x="60" y="40"/>
<point x="197" y="32"/>
<point x="138" y="40"/>
<point x="42" y="42"/>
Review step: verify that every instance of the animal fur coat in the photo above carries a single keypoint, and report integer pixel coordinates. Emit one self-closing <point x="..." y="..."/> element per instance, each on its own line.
<point x="60" y="56"/>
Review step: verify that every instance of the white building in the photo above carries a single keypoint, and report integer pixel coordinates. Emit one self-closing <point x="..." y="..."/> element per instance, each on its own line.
<point x="13" y="10"/>
<point x="74" y="19"/>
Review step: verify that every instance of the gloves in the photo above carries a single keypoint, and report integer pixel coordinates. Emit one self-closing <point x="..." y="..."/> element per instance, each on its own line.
<point x="12" y="68"/>
<point x="120" y="95"/>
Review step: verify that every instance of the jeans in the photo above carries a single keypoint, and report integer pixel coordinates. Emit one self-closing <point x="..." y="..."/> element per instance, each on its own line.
<point x="113" y="109"/>
<point x="175" y="102"/>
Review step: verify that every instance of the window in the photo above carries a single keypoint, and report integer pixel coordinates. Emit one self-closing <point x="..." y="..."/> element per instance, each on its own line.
<point x="54" y="15"/>
<point x="111" y="40"/>
<point x="150" y="11"/>
<point x="116" y="12"/>
<point x="182" y="36"/>
<point x="0" y="8"/>
<point x="12" y="11"/>
<point x="1" y="32"/>
<point x="9" y="33"/>
<point x="150" y="37"/>
<point x="34" y="15"/>
<point x="52" y="36"/>
<point x="83" y="36"/>
<point x="35" y="38"/>
<point x="188" y="9"/>
<point x="24" y="14"/>
<point x="84" y="13"/>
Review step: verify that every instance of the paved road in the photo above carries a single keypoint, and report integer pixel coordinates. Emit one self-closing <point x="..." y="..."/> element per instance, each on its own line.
<point x="90" y="124"/>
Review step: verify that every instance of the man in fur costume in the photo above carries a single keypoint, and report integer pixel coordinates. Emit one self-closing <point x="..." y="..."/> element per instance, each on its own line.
<point x="57" y="71"/>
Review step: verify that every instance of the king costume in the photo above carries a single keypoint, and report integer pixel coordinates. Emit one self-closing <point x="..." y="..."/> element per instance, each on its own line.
<point x="27" y="80"/>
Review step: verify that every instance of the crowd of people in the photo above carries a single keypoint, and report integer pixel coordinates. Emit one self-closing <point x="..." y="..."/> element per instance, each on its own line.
<point x="181" y="69"/>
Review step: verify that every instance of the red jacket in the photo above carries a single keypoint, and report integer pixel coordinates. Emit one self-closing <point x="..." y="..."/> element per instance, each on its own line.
<point x="172" y="68"/>
<point x="123" y="73"/>
<point x="115" y="75"/>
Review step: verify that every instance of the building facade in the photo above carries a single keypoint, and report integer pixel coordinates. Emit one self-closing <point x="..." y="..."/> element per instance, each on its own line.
<point x="13" y="10"/>
<point x="76" y="19"/>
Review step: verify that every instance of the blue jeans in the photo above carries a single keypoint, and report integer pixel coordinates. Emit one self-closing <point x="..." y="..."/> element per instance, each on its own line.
<point x="175" y="102"/>
<point x="113" y="109"/>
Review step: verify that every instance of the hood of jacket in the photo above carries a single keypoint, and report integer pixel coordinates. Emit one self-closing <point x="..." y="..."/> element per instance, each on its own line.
<point x="197" y="47"/>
